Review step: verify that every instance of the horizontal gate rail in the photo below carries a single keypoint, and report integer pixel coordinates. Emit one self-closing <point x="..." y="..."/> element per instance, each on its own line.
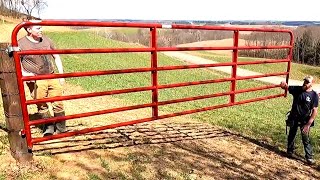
<point x="122" y="50"/>
<point x="134" y="70"/>
<point x="88" y="130"/>
<point x="87" y="95"/>
<point x="263" y="62"/>
<point x="83" y="74"/>
<point x="154" y="87"/>
<point x="93" y="113"/>
<point x="261" y="76"/>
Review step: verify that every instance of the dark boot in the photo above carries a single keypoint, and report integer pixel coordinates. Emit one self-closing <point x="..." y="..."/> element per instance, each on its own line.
<point x="48" y="129"/>
<point x="60" y="126"/>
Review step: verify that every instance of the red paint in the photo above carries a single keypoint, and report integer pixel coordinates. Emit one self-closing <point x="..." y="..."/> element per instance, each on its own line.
<point x="153" y="69"/>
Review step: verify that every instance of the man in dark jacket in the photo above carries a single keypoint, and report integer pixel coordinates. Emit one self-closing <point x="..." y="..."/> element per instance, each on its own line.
<point x="303" y="113"/>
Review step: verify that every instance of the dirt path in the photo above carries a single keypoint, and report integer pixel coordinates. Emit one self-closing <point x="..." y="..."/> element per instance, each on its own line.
<point x="226" y="69"/>
<point x="176" y="148"/>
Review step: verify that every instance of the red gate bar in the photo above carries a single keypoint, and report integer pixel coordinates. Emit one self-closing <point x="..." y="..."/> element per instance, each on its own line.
<point x="121" y="50"/>
<point x="95" y="73"/>
<point x="88" y="130"/>
<point x="143" y="25"/>
<point x="153" y="69"/>
<point x="154" y="73"/>
<point x="234" y="66"/>
<point x="113" y="92"/>
<point x="133" y="70"/>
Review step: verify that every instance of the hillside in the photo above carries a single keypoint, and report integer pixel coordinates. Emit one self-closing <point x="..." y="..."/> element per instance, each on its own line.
<point x="215" y="43"/>
<point x="240" y="142"/>
<point x="176" y="148"/>
<point x="8" y="24"/>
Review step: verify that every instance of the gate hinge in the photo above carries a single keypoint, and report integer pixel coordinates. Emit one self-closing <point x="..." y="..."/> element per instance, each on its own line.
<point x="11" y="49"/>
<point x="22" y="133"/>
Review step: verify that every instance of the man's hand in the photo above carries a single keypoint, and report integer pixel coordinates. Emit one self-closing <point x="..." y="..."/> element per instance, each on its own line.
<point x="306" y="129"/>
<point x="25" y="73"/>
<point x="283" y="85"/>
<point x="62" y="81"/>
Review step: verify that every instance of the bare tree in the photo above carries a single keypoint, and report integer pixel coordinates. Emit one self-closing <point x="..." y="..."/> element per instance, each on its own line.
<point x="41" y="7"/>
<point x="10" y="7"/>
<point x="30" y="5"/>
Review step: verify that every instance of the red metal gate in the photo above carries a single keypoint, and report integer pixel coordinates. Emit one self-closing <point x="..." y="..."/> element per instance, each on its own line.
<point x="153" y="69"/>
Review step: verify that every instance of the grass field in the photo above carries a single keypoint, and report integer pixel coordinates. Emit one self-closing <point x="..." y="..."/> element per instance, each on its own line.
<point x="298" y="71"/>
<point x="261" y="120"/>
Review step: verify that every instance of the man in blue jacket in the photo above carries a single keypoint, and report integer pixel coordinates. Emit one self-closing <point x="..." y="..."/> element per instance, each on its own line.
<point x="303" y="113"/>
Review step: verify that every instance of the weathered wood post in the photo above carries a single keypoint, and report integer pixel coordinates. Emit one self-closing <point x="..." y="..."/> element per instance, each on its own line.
<point x="12" y="107"/>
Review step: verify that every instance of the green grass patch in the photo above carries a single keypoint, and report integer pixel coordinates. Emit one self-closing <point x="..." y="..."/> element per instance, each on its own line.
<point x="93" y="177"/>
<point x="5" y="22"/>
<point x="298" y="71"/>
<point x="4" y="143"/>
<point x="105" y="164"/>
<point x="2" y="177"/>
<point x="126" y="31"/>
<point x="260" y="120"/>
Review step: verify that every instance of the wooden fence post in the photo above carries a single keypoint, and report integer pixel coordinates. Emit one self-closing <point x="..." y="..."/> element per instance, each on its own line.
<point x="12" y="107"/>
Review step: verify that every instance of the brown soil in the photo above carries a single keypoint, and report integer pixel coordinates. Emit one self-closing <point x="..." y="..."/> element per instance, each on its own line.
<point x="176" y="148"/>
<point x="215" y="43"/>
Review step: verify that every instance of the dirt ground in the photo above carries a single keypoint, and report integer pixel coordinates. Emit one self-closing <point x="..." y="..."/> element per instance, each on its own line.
<point x="215" y="43"/>
<point x="176" y="148"/>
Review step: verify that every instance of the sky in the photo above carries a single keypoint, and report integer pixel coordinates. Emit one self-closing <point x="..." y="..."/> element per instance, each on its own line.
<point x="281" y="10"/>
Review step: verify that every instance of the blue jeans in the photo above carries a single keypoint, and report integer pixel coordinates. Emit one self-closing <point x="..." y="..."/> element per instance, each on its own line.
<point x="305" y="140"/>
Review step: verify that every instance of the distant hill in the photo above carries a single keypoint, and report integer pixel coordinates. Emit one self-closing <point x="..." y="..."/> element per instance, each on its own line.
<point x="201" y="22"/>
<point x="5" y="13"/>
<point x="301" y="23"/>
<point x="8" y="15"/>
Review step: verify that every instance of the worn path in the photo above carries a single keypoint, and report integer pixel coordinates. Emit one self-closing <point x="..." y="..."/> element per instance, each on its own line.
<point x="227" y="69"/>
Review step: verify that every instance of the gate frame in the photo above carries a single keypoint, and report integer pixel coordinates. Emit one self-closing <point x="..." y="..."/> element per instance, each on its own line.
<point x="154" y="49"/>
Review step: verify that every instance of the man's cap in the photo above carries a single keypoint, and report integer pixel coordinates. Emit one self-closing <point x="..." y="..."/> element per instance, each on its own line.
<point x="308" y="78"/>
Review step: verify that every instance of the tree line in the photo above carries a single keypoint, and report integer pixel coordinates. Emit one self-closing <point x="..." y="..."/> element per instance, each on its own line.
<point x="167" y="37"/>
<point x="15" y="8"/>
<point x="306" y="45"/>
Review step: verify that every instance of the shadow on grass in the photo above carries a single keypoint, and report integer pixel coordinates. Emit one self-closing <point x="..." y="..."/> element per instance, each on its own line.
<point x="3" y="128"/>
<point x="171" y="147"/>
<point x="274" y="149"/>
<point x="130" y="136"/>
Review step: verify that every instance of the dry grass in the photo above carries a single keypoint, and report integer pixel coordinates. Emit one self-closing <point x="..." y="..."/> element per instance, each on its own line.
<point x="215" y="43"/>
<point x="176" y="148"/>
<point x="7" y="28"/>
